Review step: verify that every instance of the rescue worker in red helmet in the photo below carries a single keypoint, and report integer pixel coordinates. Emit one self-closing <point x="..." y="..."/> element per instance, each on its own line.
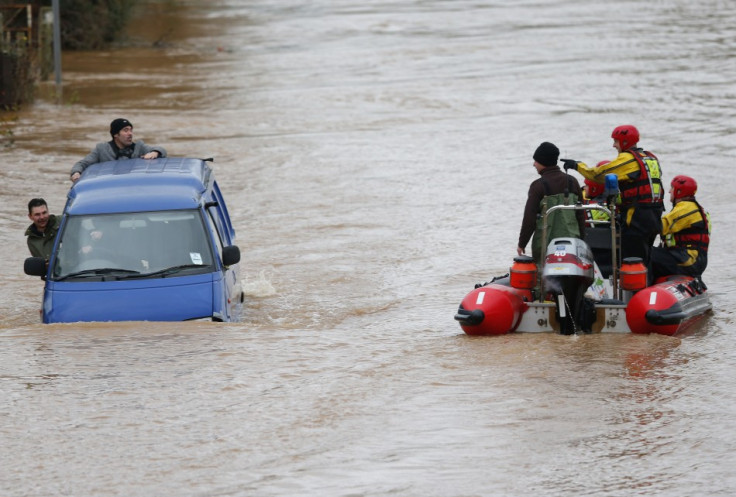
<point x="685" y="234"/>
<point x="640" y="182"/>
<point x="593" y="189"/>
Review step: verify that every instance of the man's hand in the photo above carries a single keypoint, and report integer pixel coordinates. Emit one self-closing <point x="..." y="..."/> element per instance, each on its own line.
<point x="74" y="177"/>
<point x="570" y="164"/>
<point x="151" y="155"/>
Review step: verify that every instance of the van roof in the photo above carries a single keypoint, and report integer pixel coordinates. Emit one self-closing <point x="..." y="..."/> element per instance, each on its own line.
<point x="138" y="185"/>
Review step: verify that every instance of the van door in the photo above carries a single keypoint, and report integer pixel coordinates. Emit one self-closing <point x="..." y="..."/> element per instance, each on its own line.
<point x="232" y="292"/>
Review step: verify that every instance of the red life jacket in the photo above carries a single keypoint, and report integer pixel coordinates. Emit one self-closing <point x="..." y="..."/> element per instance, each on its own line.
<point x="697" y="236"/>
<point x="645" y="186"/>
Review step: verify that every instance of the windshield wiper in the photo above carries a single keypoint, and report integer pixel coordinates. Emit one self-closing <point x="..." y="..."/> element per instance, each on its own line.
<point x="165" y="272"/>
<point x="97" y="272"/>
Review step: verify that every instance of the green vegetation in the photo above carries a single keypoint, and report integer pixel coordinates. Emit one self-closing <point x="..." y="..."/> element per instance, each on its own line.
<point x="93" y="24"/>
<point x="17" y="78"/>
<point x="6" y="130"/>
<point x="26" y="39"/>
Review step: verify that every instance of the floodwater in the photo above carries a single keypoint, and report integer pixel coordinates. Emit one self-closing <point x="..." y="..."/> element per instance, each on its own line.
<point x="376" y="157"/>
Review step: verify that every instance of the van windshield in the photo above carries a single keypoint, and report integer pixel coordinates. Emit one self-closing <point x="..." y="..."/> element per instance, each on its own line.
<point x="138" y="245"/>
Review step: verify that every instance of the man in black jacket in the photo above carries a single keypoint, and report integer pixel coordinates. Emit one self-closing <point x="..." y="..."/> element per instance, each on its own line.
<point x="552" y="188"/>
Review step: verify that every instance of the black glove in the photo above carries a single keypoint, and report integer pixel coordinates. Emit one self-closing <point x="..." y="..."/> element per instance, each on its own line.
<point x="570" y="164"/>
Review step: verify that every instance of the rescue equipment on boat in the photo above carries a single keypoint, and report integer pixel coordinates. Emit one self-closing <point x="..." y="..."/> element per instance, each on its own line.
<point x="633" y="274"/>
<point x="523" y="273"/>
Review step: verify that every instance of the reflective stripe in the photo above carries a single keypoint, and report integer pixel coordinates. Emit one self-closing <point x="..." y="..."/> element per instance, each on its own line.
<point x="696" y="235"/>
<point x="647" y="186"/>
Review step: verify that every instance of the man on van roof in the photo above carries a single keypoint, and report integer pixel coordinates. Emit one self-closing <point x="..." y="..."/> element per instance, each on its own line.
<point x="42" y="232"/>
<point x="120" y="147"/>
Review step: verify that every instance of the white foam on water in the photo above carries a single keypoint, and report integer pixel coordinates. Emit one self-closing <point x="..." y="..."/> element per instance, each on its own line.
<point x="261" y="286"/>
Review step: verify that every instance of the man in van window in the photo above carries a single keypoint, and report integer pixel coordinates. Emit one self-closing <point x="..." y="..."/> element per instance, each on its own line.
<point x="42" y="232"/>
<point x="120" y="147"/>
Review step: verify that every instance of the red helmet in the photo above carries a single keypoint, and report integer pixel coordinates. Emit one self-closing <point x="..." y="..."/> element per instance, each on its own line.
<point x="627" y="135"/>
<point x="683" y="186"/>
<point x="595" y="189"/>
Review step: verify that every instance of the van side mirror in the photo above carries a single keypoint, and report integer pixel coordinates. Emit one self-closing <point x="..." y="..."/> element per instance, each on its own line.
<point x="36" y="266"/>
<point x="230" y="255"/>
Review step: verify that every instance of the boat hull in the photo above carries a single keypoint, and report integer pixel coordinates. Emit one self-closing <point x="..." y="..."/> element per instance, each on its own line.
<point x="666" y="308"/>
<point x="492" y="309"/>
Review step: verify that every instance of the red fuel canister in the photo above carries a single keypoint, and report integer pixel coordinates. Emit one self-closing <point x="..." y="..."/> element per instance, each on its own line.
<point x="633" y="274"/>
<point x="523" y="273"/>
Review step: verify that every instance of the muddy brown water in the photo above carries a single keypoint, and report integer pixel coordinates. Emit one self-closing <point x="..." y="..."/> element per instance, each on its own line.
<point x="375" y="158"/>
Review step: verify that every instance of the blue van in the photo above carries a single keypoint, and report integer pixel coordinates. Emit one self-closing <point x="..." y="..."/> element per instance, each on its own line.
<point x="143" y="240"/>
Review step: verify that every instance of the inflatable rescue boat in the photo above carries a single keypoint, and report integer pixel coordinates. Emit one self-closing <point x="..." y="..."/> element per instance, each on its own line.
<point x="571" y="293"/>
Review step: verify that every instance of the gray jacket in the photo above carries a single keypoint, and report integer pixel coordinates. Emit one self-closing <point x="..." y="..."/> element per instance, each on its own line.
<point x="107" y="151"/>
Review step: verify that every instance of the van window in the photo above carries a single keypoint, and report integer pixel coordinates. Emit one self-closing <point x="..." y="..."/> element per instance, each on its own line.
<point x="216" y="233"/>
<point x="226" y="229"/>
<point x="142" y="243"/>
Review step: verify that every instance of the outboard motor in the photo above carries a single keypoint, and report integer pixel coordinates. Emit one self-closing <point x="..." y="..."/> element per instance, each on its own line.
<point x="567" y="274"/>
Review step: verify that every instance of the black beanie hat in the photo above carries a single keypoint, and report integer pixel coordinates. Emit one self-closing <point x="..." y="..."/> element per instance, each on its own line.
<point x="119" y="124"/>
<point x="547" y="154"/>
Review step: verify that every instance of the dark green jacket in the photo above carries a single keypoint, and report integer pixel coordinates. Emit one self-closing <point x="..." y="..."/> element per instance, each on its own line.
<point x="41" y="244"/>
